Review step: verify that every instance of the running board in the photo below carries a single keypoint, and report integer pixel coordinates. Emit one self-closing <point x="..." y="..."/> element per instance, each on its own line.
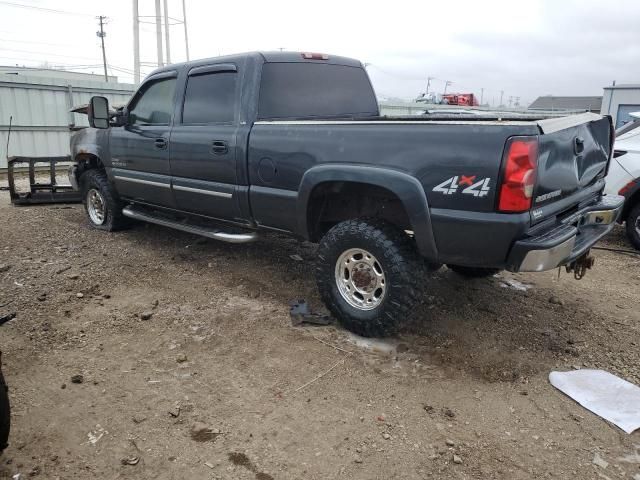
<point x="205" y="232"/>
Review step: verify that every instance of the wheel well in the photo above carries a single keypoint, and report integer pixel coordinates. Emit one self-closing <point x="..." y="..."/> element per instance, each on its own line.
<point x="629" y="204"/>
<point x="333" y="202"/>
<point x="87" y="161"/>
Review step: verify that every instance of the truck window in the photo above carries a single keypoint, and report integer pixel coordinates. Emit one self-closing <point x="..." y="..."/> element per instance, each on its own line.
<point x="155" y="104"/>
<point x="210" y="98"/>
<point x="308" y="90"/>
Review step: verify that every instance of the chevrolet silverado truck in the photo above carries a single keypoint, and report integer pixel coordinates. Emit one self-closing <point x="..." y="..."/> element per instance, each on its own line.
<point x="233" y="146"/>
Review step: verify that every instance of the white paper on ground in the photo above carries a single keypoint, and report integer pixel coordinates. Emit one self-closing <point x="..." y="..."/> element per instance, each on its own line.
<point x="606" y="395"/>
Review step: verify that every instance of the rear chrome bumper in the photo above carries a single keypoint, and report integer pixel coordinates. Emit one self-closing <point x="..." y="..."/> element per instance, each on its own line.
<point x="541" y="260"/>
<point x="567" y="241"/>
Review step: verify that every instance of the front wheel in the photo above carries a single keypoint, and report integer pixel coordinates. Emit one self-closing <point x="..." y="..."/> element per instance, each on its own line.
<point x="101" y="201"/>
<point x="369" y="275"/>
<point x="633" y="225"/>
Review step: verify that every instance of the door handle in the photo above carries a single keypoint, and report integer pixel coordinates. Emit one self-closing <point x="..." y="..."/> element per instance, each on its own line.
<point x="161" y="143"/>
<point x="219" y="147"/>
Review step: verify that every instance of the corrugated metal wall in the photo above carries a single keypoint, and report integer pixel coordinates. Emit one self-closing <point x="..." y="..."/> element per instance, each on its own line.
<point x="40" y="110"/>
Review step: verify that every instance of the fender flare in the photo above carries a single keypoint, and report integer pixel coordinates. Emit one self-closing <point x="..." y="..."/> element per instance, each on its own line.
<point x="88" y="149"/>
<point x="407" y="188"/>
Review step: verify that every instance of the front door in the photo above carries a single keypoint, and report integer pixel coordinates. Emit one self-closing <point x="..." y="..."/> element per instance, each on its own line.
<point x="140" y="149"/>
<point x="203" y="143"/>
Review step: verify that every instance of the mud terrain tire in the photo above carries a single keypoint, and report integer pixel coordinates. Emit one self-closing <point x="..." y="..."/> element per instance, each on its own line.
<point x="383" y="253"/>
<point x="5" y="414"/>
<point x="101" y="202"/>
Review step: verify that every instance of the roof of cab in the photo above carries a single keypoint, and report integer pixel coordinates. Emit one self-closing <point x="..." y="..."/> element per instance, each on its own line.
<point x="268" y="57"/>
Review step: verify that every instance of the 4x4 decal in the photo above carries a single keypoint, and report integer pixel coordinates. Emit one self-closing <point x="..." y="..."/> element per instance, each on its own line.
<point x="452" y="185"/>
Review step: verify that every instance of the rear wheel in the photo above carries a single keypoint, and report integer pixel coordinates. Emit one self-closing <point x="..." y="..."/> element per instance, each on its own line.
<point x="369" y="275"/>
<point x="633" y="225"/>
<point x="5" y="413"/>
<point x="101" y="201"/>
<point x="473" y="272"/>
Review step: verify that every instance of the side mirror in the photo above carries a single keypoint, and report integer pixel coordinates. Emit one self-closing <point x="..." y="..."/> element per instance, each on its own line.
<point x="98" y="112"/>
<point x="121" y="118"/>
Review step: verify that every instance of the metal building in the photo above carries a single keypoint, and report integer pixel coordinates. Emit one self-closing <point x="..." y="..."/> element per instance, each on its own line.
<point x="619" y="101"/>
<point x="569" y="104"/>
<point x="38" y="102"/>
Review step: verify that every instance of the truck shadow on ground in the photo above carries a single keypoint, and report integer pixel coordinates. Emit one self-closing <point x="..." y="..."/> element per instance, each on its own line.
<point x="485" y="327"/>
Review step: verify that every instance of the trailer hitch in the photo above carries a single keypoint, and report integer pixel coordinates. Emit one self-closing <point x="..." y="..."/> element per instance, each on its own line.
<point x="580" y="266"/>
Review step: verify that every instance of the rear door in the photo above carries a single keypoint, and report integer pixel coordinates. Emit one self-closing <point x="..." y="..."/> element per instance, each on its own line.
<point x="204" y="143"/>
<point x="140" y="149"/>
<point x="573" y="155"/>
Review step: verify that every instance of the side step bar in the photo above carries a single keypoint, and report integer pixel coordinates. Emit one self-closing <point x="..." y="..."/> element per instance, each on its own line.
<point x="209" y="233"/>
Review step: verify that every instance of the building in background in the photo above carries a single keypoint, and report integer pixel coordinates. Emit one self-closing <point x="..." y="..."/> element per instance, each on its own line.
<point x="53" y="73"/>
<point x="38" y="103"/>
<point x="569" y="104"/>
<point x="619" y="101"/>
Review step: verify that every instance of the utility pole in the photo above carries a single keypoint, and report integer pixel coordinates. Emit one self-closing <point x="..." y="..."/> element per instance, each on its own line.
<point x="159" y="34"/>
<point x="481" y="95"/>
<point x="136" y="44"/>
<point x="510" y="100"/>
<point x="167" y="42"/>
<point x="446" y="84"/>
<point x="102" y="34"/>
<point x="501" y="94"/>
<point x="184" y="21"/>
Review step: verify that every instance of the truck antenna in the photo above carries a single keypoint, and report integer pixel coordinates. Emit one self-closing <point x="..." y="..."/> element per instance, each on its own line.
<point x="9" y="136"/>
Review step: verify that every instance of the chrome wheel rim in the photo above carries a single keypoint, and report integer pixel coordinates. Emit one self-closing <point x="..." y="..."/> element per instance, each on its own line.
<point x="360" y="279"/>
<point x="96" y="206"/>
<point x="638" y="225"/>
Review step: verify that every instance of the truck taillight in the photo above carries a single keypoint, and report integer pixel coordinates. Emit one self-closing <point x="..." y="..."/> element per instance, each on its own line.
<point x="315" y="56"/>
<point x="627" y="188"/>
<point x="519" y="178"/>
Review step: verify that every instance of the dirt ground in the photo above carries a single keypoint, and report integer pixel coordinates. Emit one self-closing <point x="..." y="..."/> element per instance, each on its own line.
<point x="217" y="383"/>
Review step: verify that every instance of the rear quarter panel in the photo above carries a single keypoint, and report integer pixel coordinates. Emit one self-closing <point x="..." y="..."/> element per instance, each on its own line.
<point x="455" y="154"/>
<point x="432" y="153"/>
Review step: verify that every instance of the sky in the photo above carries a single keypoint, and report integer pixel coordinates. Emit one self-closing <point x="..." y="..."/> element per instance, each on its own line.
<point x="523" y="49"/>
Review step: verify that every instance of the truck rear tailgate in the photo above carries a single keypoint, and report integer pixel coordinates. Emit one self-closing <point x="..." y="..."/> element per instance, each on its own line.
<point x="573" y="157"/>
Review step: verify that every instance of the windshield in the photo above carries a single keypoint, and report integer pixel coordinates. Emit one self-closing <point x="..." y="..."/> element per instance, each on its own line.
<point x="627" y="127"/>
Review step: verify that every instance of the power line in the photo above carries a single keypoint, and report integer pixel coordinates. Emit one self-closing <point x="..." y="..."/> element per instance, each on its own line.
<point x="14" y="50"/>
<point x="38" y="43"/>
<point x="49" y="10"/>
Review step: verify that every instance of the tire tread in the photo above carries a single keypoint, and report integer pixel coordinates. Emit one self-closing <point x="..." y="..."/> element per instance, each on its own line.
<point x="98" y="179"/>
<point x="630" y="221"/>
<point x="400" y="258"/>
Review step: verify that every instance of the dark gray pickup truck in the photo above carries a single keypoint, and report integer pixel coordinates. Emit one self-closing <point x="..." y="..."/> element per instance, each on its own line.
<point x="294" y="142"/>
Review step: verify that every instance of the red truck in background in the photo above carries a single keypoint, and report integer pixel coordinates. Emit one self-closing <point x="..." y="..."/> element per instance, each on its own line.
<point x="462" y="99"/>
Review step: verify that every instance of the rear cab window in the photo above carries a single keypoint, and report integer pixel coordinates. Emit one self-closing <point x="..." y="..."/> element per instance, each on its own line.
<point x="305" y="90"/>
<point x="210" y="97"/>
